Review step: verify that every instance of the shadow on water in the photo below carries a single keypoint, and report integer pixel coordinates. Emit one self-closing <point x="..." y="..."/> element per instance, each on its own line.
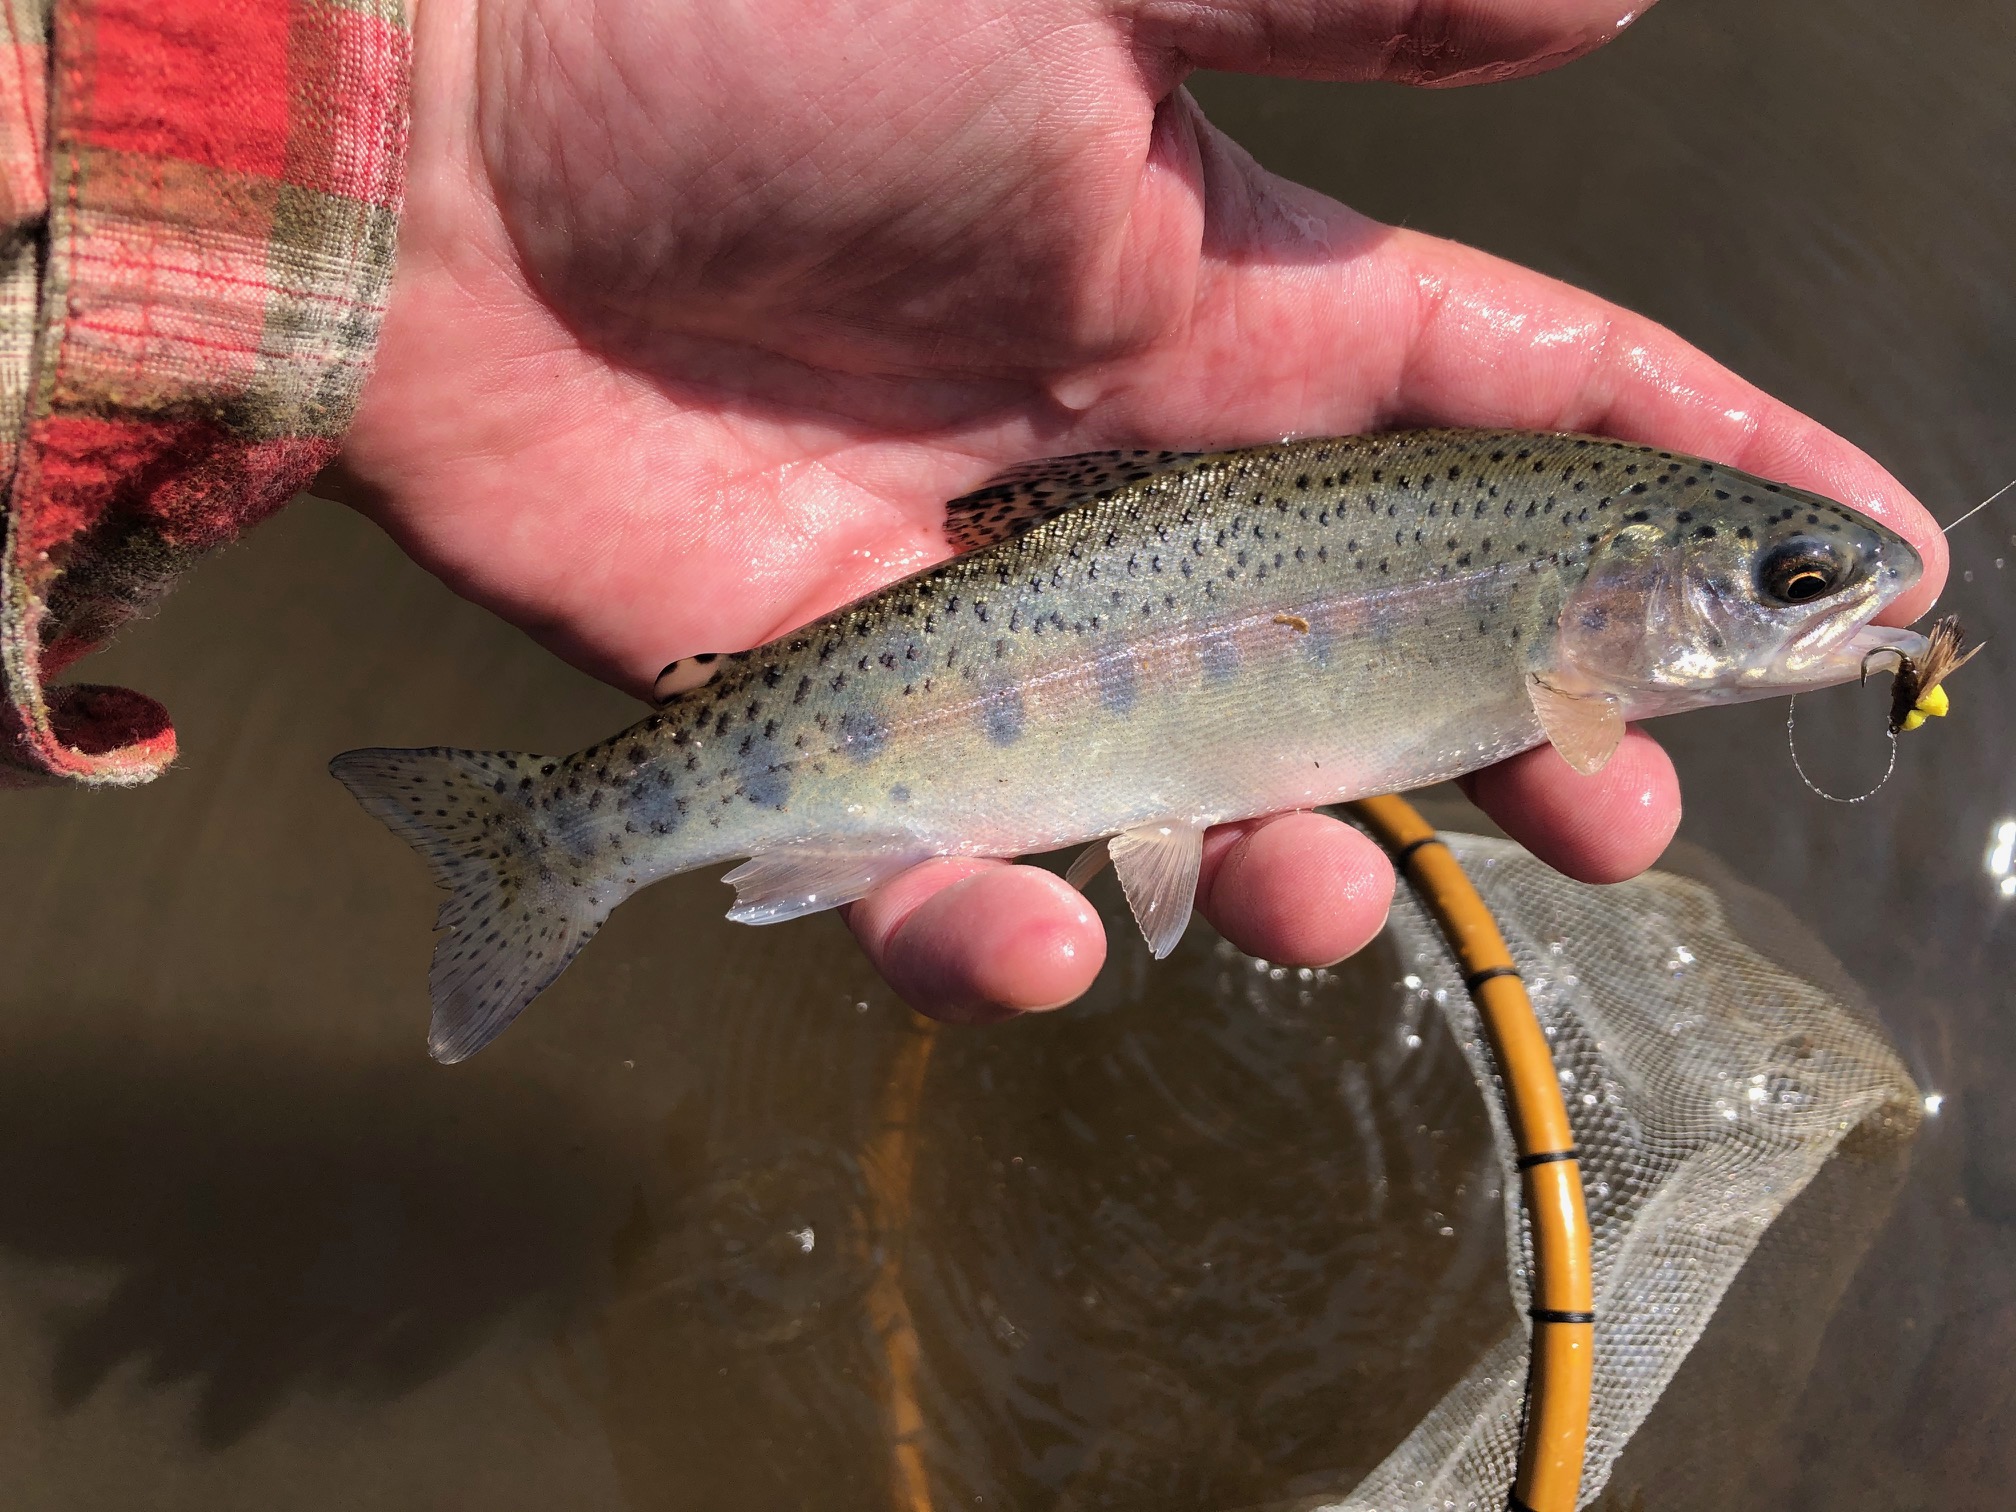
<point x="264" y="1227"/>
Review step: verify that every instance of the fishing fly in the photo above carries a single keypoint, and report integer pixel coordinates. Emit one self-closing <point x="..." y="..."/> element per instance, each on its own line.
<point x="1916" y="685"/>
<point x="1916" y="695"/>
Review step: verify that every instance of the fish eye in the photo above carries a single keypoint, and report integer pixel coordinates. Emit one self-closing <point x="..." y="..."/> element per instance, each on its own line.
<point x="1798" y="572"/>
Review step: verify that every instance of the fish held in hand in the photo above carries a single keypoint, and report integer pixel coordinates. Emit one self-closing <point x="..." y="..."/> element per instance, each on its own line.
<point x="1137" y="645"/>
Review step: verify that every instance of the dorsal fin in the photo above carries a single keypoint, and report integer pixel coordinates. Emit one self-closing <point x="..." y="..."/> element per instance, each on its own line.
<point x="1027" y="494"/>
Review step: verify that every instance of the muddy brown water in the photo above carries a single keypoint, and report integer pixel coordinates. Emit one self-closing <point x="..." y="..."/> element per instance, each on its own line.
<point x="1210" y="1240"/>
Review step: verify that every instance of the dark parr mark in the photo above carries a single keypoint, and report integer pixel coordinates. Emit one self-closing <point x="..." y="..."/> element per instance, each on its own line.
<point x="1119" y="682"/>
<point x="765" y="776"/>
<point x="862" y="734"/>
<point x="1219" y="654"/>
<point x="1001" y="716"/>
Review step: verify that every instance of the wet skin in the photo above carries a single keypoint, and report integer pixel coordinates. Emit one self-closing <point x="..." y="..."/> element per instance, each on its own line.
<point x="680" y="358"/>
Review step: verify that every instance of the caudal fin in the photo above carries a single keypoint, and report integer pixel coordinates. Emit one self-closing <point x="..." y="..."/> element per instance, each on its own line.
<point x="516" y="914"/>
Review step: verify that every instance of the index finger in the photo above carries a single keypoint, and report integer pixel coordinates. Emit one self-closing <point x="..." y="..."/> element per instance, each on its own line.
<point x="1311" y="319"/>
<point x="1400" y="41"/>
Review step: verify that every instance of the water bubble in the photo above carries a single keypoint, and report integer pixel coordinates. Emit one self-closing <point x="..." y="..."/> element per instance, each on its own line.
<point x="777" y="1239"/>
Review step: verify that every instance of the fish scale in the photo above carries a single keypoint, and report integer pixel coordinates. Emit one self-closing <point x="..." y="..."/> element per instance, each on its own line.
<point x="1142" y="644"/>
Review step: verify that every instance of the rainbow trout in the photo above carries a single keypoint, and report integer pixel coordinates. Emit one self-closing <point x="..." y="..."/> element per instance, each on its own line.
<point x="1138" y="645"/>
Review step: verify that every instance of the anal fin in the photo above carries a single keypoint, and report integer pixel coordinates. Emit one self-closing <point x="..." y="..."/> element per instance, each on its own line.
<point x="1584" y="727"/>
<point x="796" y="880"/>
<point x="1158" y="865"/>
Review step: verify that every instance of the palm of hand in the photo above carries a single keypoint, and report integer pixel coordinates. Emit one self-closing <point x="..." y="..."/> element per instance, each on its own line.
<point x="703" y="311"/>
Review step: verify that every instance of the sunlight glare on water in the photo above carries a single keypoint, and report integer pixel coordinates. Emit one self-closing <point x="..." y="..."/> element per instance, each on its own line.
<point x="2002" y="857"/>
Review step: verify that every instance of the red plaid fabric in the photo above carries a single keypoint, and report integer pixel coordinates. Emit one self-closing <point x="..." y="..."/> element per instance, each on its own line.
<point x="197" y="207"/>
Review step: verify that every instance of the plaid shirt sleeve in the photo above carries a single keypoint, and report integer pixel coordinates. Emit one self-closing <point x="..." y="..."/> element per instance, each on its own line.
<point x="198" y="201"/>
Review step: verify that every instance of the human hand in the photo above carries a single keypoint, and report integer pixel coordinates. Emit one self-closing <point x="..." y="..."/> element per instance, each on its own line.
<point x="702" y="310"/>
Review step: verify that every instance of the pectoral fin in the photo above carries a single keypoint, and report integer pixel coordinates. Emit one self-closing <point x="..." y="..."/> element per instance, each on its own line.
<point x="1157" y="864"/>
<point x="1584" y="727"/>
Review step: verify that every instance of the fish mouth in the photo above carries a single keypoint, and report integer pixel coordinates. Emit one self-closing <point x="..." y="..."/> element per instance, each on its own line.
<point x="1866" y="650"/>
<point x="1866" y="642"/>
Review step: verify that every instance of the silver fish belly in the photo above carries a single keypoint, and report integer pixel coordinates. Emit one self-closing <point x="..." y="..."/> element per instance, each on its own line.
<point x="1136" y="645"/>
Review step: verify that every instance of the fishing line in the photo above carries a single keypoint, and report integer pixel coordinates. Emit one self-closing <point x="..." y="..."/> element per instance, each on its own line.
<point x="1792" y="745"/>
<point x="1791" y="704"/>
<point x="1948" y="529"/>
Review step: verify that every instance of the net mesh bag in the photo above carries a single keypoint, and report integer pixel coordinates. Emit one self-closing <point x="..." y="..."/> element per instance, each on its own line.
<point x="1713" y="1061"/>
